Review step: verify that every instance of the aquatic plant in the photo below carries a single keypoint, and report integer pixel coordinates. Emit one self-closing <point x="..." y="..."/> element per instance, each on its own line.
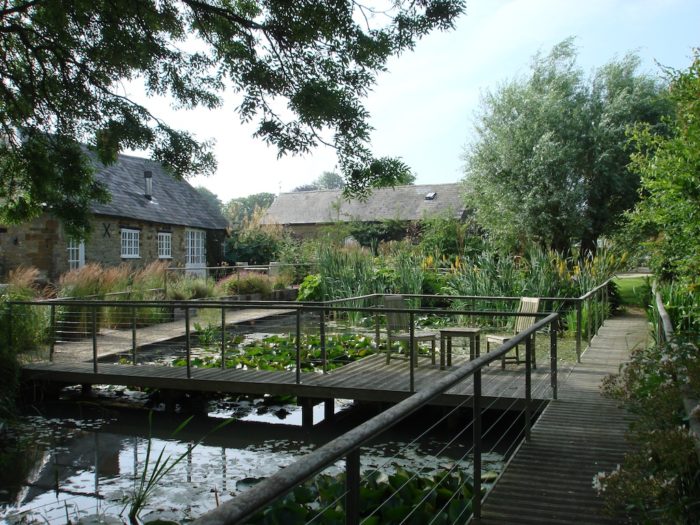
<point x="153" y="474"/>
<point x="400" y="497"/>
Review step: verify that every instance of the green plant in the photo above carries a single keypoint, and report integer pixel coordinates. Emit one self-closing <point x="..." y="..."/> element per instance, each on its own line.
<point x="311" y="288"/>
<point x="246" y="283"/>
<point x="388" y="499"/>
<point x="152" y="474"/>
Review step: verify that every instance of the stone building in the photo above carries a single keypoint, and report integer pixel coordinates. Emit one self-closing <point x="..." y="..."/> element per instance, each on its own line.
<point x="151" y="216"/>
<point x="305" y="213"/>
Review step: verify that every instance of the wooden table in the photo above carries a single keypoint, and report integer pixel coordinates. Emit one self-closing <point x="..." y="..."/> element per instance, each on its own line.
<point x="446" y="335"/>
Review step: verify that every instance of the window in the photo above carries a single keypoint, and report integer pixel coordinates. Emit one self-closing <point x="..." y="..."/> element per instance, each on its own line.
<point x="165" y="245"/>
<point x="76" y="254"/>
<point x="130" y="243"/>
<point x="195" y="242"/>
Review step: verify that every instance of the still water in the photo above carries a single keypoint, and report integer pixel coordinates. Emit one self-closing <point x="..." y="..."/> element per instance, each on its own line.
<point x="75" y="459"/>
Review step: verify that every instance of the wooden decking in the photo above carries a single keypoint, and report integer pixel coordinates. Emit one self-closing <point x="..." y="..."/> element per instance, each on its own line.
<point x="549" y="479"/>
<point x="369" y="379"/>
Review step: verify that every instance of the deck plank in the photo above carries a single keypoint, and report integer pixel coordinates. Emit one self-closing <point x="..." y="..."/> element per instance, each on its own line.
<point x="549" y="479"/>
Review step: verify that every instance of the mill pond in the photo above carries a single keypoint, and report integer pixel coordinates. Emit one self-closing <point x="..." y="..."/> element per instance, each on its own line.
<point x="79" y="459"/>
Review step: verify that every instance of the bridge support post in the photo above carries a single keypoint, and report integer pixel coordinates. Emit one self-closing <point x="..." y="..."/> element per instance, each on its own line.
<point x="328" y="409"/>
<point x="307" y="413"/>
<point x="578" y="330"/>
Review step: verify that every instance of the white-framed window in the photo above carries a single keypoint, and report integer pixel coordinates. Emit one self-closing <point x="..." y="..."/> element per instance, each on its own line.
<point x="195" y="242"/>
<point x="165" y="245"/>
<point x="76" y="254"/>
<point x="130" y="243"/>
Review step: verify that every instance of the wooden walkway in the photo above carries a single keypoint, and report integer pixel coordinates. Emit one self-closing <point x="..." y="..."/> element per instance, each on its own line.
<point x="369" y="379"/>
<point x="549" y="479"/>
<point x="112" y="342"/>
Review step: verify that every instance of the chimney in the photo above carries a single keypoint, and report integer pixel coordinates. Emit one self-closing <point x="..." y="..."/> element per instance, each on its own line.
<point x="148" y="179"/>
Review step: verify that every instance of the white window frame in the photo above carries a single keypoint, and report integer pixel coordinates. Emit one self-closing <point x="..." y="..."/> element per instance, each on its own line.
<point x="165" y="245"/>
<point x="76" y="254"/>
<point x="130" y="243"/>
<point x="195" y="248"/>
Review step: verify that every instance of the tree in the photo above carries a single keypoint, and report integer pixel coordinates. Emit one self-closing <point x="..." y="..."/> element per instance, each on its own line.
<point x="550" y="162"/>
<point x="210" y="197"/>
<point x="328" y="180"/>
<point x="62" y="63"/>
<point x="242" y="209"/>
<point x="669" y="166"/>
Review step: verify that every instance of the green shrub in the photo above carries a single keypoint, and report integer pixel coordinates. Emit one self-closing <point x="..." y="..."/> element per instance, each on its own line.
<point x="247" y="283"/>
<point x="311" y="288"/>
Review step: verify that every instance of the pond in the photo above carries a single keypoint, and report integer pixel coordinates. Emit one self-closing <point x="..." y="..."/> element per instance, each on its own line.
<point x="79" y="458"/>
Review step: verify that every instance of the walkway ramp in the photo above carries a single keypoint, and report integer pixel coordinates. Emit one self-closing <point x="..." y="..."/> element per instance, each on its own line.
<point x="549" y="479"/>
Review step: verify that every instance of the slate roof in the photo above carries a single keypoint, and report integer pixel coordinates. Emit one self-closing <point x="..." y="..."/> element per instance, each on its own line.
<point x="173" y="201"/>
<point x="405" y="203"/>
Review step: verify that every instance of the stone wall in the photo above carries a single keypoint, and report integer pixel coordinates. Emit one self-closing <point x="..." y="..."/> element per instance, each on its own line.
<point x="33" y="244"/>
<point x="43" y="244"/>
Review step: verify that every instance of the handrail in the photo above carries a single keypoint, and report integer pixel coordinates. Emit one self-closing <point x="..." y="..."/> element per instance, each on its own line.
<point x="666" y="334"/>
<point x="248" y="503"/>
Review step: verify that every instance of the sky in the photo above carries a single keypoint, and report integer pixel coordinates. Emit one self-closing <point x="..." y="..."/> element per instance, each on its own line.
<point x="423" y="109"/>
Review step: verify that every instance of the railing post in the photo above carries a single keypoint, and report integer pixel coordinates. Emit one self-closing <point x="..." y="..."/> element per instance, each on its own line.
<point x="298" y="347"/>
<point x="412" y="356"/>
<point x="133" y="335"/>
<point x="94" y="339"/>
<point x="553" y="359"/>
<point x="322" y="329"/>
<point x="223" y="337"/>
<point x="578" y="330"/>
<point x="476" y="414"/>
<point x="528" y="385"/>
<point x="187" y="341"/>
<point x="589" y="316"/>
<point x="352" y="488"/>
<point x="52" y="328"/>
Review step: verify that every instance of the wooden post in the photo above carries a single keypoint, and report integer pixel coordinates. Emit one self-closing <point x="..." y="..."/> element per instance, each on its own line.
<point x="52" y="336"/>
<point x="298" y="347"/>
<point x="578" y="330"/>
<point x="412" y="355"/>
<point x="322" y="329"/>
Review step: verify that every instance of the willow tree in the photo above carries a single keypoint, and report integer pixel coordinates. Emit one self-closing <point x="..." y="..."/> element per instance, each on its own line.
<point x="301" y="69"/>
<point x="549" y="163"/>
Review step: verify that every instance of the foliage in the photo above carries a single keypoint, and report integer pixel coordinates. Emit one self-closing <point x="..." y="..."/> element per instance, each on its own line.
<point x="372" y="234"/>
<point x="634" y="291"/>
<point x="659" y="480"/>
<point x="399" y="497"/>
<point x="445" y="235"/>
<point x="278" y="352"/>
<point x="550" y="162"/>
<point x="22" y="329"/>
<point x="328" y="180"/>
<point x="669" y="166"/>
<point x="683" y="306"/>
<point x="246" y="283"/>
<point x="64" y="62"/>
<point x="310" y="288"/>
<point x="242" y="209"/>
<point x="254" y="242"/>
<point x="152" y="474"/>
<point x="211" y="198"/>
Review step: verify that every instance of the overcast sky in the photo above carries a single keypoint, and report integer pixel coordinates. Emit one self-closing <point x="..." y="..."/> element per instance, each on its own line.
<point x="423" y="109"/>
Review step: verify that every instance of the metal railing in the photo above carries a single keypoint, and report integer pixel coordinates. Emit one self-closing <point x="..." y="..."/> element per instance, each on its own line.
<point x="347" y="446"/>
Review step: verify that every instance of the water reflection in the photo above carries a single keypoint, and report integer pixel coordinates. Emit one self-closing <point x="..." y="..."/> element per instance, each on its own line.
<point x="84" y="465"/>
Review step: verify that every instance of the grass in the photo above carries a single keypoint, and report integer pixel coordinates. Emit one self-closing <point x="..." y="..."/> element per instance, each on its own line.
<point x="634" y="291"/>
